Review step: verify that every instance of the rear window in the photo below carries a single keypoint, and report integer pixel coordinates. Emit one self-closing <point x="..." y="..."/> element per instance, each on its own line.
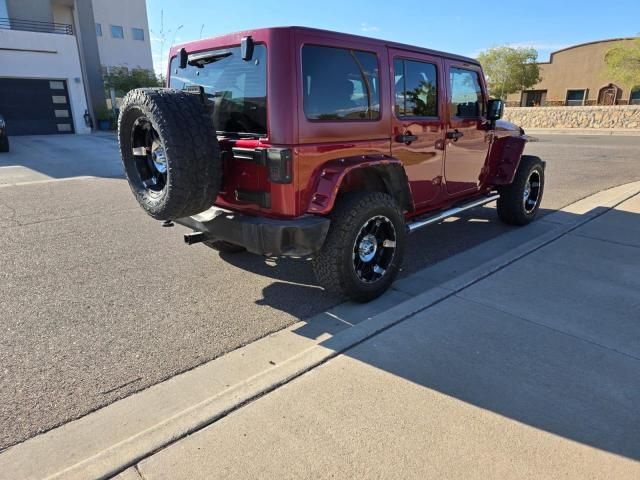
<point x="340" y="84"/>
<point x="238" y="88"/>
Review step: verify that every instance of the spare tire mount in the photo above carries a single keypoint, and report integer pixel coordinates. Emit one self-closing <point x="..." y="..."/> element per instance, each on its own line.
<point x="170" y="152"/>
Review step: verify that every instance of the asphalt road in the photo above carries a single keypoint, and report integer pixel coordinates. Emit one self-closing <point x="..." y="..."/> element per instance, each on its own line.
<point x="98" y="301"/>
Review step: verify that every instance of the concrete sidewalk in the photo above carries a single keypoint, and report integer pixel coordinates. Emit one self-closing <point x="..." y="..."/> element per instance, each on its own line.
<point x="530" y="372"/>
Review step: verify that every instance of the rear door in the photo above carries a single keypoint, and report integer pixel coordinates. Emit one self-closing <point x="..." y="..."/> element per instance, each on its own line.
<point x="467" y="139"/>
<point x="417" y="125"/>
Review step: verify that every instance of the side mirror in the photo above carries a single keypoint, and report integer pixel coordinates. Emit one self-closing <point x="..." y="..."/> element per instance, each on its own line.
<point x="495" y="109"/>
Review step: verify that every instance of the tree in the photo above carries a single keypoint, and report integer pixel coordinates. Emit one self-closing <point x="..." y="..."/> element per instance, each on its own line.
<point x="122" y="79"/>
<point x="623" y="63"/>
<point x="509" y="70"/>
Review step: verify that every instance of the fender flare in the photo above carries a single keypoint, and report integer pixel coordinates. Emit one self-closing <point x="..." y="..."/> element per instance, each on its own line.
<point x="504" y="159"/>
<point x="329" y="178"/>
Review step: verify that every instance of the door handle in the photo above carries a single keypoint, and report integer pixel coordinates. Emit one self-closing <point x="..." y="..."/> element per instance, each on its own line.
<point x="455" y="135"/>
<point x="406" y="138"/>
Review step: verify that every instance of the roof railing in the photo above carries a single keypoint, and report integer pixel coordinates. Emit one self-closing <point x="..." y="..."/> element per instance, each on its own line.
<point x="35" y="26"/>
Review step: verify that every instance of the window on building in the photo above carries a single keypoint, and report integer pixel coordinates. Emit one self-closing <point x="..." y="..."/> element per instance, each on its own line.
<point x="634" y="99"/>
<point x="533" y="98"/>
<point x="340" y="84"/>
<point x="117" y="31"/>
<point x="98" y="30"/>
<point x="466" y="93"/>
<point x="576" y="97"/>
<point x="138" y="34"/>
<point x="416" y="88"/>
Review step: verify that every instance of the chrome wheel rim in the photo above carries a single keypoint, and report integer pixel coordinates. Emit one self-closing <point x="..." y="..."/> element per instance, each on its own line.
<point x="374" y="249"/>
<point x="531" y="194"/>
<point x="158" y="157"/>
<point x="150" y="160"/>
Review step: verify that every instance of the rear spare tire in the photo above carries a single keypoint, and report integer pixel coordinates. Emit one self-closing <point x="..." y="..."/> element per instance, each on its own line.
<point x="170" y="152"/>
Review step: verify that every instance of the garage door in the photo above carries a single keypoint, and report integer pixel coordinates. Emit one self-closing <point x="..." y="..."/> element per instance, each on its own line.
<point x="35" y="107"/>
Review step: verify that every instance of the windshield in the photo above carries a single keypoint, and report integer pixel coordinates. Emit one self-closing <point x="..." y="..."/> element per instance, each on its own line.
<point x="238" y="88"/>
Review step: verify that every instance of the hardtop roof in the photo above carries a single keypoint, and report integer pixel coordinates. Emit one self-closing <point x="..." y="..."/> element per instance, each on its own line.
<point x="346" y="36"/>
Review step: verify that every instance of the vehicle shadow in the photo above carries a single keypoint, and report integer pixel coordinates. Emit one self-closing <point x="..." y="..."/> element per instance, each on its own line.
<point x="425" y="248"/>
<point x="64" y="156"/>
<point x="460" y="240"/>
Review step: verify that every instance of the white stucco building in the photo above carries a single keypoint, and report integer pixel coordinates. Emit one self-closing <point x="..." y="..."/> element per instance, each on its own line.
<point x="32" y="104"/>
<point x="52" y="59"/>
<point x="122" y="30"/>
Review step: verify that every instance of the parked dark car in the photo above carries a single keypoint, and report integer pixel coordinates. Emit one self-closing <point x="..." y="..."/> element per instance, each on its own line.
<point x="4" y="139"/>
<point x="307" y="143"/>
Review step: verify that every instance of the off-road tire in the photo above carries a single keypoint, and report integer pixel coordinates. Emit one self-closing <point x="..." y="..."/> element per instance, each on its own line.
<point x="188" y="136"/>
<point x="511" y="204"/>
<point x="4" y="144"/>
<point x="224" y="247"/>
<point x="334" y="264"/>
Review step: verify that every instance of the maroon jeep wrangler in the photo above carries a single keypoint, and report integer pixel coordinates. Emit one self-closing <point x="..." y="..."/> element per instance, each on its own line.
<point x="308" y="143"/>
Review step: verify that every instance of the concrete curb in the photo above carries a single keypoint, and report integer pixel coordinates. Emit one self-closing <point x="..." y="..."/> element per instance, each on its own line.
<point x="631" y="132"/>
<point x="74" y="451"/>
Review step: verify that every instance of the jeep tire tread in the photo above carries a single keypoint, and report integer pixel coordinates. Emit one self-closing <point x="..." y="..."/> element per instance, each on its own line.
<point x="511" y="204"/>
<point x="334" y="264"/>
<point x="188" y="138"/>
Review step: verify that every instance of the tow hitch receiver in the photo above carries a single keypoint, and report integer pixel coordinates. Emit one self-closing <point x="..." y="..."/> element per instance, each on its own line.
<point x="194" y="237"/>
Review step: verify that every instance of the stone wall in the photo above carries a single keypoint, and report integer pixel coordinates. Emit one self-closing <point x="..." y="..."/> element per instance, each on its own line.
<point x="619" y="116"/>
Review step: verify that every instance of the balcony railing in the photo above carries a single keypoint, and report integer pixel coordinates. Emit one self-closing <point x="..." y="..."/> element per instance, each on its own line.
<point x="35" y="26"/>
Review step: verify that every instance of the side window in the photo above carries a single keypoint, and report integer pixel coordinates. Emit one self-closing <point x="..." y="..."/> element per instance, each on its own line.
<point x="466" y="93"/>
<point x="416" y="91"/>
<point x="340" y="84"/>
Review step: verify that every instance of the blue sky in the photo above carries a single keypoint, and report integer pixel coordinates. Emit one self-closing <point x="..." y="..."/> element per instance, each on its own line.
<point x="464" y="27"/>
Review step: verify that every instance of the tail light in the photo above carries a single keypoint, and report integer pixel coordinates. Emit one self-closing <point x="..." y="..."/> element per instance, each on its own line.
<point x="279" y="165"/>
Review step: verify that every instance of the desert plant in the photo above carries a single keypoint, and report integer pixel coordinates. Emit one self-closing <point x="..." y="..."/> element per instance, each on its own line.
<point x="103" y="113"/>
<point x="122" y="79"/>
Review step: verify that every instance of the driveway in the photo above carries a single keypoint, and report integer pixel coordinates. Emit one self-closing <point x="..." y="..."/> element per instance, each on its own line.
<point x="42" y="157"/>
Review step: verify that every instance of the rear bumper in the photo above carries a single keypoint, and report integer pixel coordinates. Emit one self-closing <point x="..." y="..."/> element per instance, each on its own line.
<point x="297" y="237"/>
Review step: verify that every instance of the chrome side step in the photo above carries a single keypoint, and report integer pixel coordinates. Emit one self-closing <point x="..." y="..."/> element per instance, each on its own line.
<point x="418" y="224"/>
